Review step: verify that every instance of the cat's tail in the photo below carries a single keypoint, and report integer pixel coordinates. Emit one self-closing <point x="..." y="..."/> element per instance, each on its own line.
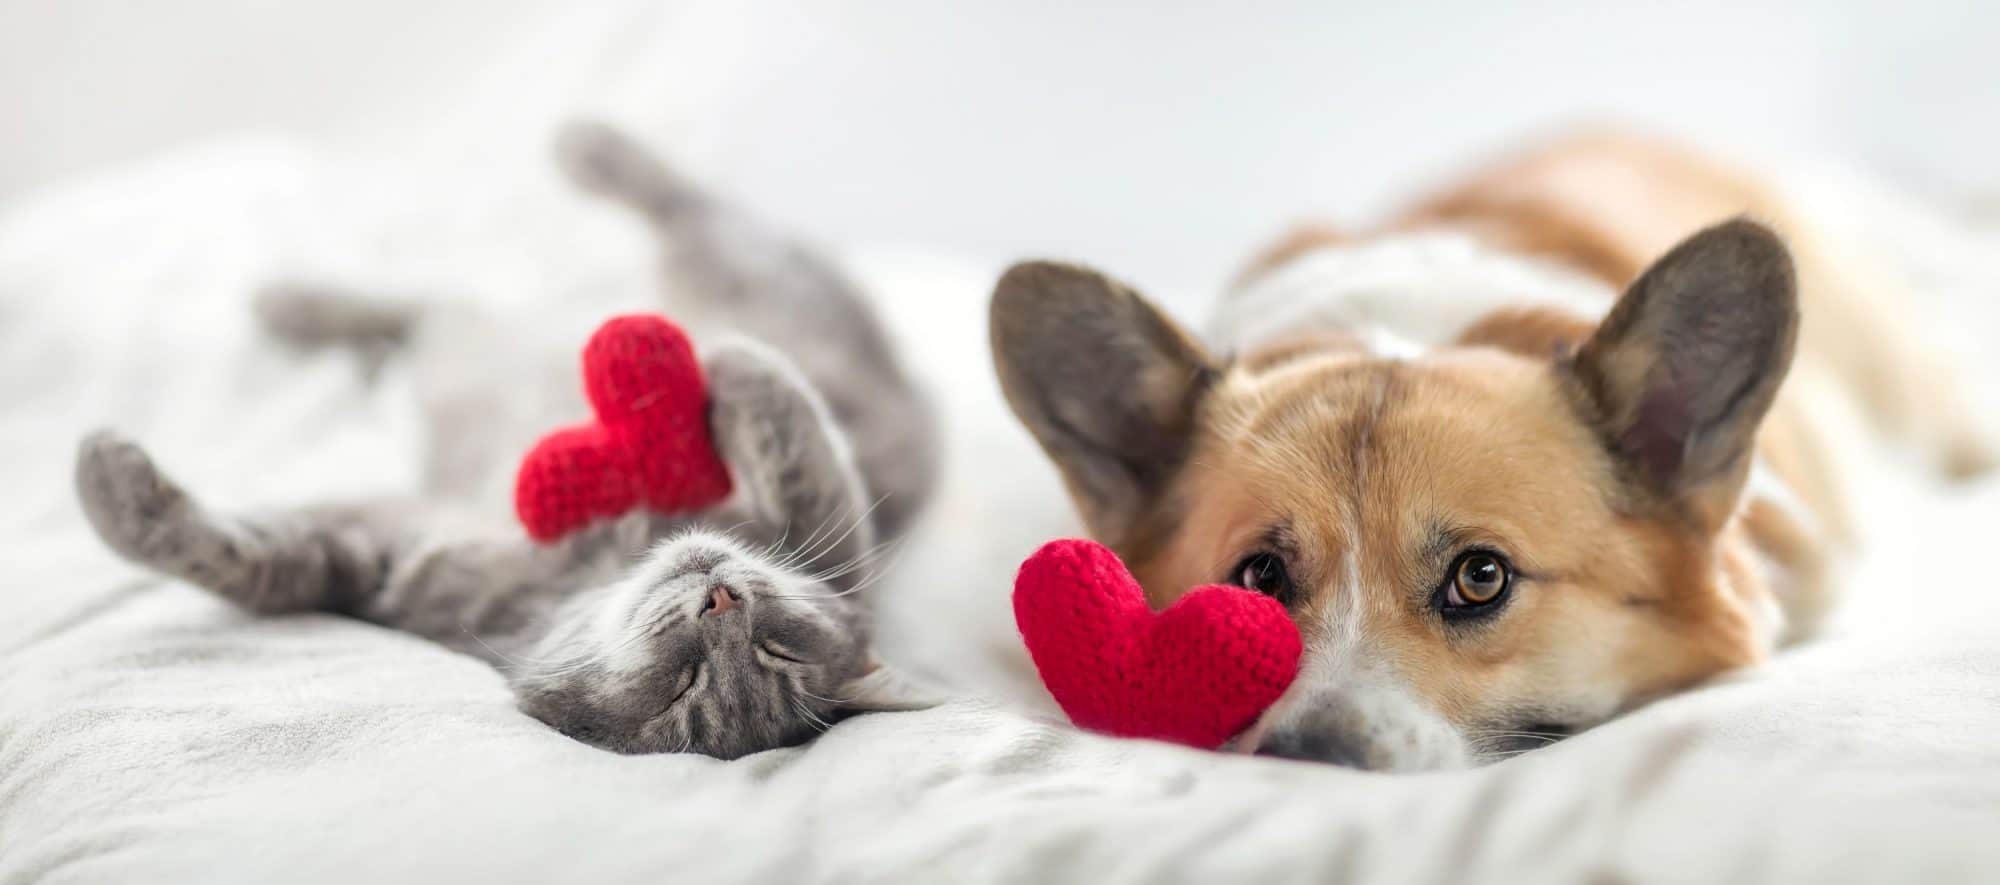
<point x="727" y="269"/>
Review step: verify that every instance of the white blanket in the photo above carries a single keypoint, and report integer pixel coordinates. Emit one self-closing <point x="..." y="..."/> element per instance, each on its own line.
<point x="150" y="733"/>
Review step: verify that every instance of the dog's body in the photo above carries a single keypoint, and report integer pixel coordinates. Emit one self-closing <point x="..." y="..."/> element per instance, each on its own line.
<point x="1502" y="502"/>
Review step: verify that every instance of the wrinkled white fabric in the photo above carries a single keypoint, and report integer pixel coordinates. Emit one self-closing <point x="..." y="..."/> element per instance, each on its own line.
<point x="150" y="733"/>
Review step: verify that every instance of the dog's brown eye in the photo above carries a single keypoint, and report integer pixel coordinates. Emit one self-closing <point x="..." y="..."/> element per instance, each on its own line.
<point x="1266" y="574"/>
<point x="1478" y="579"/>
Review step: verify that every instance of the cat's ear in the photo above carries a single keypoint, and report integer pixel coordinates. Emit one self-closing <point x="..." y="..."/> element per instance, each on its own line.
<point x="882" y="688"/>
<point x="791" y="465"/>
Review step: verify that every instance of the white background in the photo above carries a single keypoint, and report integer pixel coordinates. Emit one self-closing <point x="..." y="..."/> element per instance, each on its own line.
<point x="1161" y="140"/>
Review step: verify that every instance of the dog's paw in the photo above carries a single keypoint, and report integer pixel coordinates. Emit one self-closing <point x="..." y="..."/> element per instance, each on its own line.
<point x="135" y="508"/>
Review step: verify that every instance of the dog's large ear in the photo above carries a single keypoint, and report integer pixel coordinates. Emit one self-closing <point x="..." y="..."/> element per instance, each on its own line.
<point x="1681" y="372"/>
<point x="1106" y="382"/>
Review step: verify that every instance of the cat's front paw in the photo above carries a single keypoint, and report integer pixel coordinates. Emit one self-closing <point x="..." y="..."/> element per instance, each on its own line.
<point x="764" y="413"/>
<point x="134" y="507"/>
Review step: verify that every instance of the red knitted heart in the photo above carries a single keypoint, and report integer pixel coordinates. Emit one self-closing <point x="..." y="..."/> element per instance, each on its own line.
<point x="649" y="445"/>
<point x="1198" y="673"/>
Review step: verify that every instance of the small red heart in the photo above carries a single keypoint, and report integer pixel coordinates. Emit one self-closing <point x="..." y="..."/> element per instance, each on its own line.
<point x="648" y="446"/>
<point x="1198" y="673"/>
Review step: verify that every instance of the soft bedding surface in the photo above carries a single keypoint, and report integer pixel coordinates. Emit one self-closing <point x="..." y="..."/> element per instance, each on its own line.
<point x="149" y="732"/>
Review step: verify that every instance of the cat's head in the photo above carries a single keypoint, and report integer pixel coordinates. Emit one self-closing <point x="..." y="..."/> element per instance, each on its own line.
<point x="745" y="631"/>
<point x="709" y="647"/>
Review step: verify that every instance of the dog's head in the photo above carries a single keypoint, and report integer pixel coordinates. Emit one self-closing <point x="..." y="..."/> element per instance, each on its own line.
<point x="1508" y="538"/>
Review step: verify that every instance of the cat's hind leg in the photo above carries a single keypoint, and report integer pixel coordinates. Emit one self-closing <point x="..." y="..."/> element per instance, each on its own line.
<point x="470" y="378"/>
<point x="313" y="316"/>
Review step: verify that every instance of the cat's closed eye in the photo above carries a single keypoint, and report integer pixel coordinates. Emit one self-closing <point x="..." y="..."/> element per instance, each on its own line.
<point x="777" y="656"/>
<point x="693" y="673"/>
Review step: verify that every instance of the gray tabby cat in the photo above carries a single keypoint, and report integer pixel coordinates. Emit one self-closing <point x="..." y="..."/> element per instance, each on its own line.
<point x="724" y="632"/>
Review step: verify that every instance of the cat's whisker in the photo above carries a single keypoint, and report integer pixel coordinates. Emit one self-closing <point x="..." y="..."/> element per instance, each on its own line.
<point x="835" y="571"/>
<point x="860" y="561"/>
<point x="810" y="716"/>
<point x="859" y="520"/>
<point x="511" y="660"/>
<point x="835" y="701"/>
<point x="526" y="666"/>
<point x="803" y="552"/>
<point x="798" y="684"/>
<point x="811" y="541"/>
<point x="875" y="576"/>
<point x="770" y="551"/>
<point x="879" y="571"/>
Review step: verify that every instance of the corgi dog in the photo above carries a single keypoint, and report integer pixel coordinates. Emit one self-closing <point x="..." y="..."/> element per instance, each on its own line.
<point x="1547" y="446"/>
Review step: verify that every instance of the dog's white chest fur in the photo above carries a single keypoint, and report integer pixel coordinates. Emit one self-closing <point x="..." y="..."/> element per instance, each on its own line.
<point x="1401" y="295"/>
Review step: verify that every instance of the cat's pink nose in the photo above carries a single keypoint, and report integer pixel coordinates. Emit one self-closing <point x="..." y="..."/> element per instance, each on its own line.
<point x="720" y="599"/>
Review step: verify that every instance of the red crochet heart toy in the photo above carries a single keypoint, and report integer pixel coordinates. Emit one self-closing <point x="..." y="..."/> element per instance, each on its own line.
<point x="1198" y="673"/>
<point x="649" y="445"/>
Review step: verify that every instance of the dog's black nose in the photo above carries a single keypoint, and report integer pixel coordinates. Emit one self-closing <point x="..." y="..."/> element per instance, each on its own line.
<point x="1312" y="745"/>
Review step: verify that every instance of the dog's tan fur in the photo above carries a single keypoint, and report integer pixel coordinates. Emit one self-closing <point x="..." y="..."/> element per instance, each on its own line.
<point x="1372" y="472"/>
<point x="1607" y="203"/>
<point x="1292" y="440"/>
